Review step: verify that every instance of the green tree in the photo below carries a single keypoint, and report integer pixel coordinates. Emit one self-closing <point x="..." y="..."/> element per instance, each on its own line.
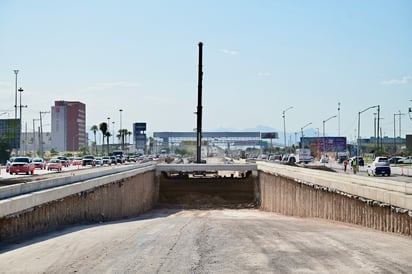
<point x="103" y="129"/>
<point x="5" y="150"/>
<point x="94" y="128"/>
<point x="53" y="152"/>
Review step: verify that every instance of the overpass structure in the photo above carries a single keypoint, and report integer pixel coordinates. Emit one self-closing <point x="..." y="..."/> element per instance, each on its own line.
<point x="116" y="193"/>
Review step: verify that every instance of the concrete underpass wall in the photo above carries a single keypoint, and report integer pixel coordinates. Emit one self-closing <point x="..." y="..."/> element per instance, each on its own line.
<point x="288" y="196"/>
<point x="123" y="198"/>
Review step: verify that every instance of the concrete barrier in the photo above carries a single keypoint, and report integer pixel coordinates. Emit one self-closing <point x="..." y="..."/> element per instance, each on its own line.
<point x="383" y="190"/>
<point x="64" y="179"/>
<point x="112" y="197"/>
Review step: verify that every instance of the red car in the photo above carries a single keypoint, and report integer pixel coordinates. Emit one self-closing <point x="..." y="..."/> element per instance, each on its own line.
<point x="22" y="165"/>
<point x="39" y="163"/>
<point x="55" y="164"/>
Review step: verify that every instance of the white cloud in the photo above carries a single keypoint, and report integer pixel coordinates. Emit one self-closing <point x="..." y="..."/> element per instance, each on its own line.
<point x="229" y="52"/>
<point x="114" y="85"/>
<point x="404" y="80"/>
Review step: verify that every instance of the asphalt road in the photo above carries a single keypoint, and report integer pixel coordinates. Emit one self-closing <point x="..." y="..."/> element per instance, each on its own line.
<point x="211" y="241"/>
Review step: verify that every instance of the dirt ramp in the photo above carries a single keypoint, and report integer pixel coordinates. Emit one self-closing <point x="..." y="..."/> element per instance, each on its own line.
<point x="209" y="192"/>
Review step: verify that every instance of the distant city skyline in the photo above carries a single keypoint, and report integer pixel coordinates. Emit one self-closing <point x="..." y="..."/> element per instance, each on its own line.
<point x="259" y="58"/>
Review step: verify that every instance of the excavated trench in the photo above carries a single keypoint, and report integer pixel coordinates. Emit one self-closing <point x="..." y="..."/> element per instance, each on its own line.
<point x="208" y="192"/>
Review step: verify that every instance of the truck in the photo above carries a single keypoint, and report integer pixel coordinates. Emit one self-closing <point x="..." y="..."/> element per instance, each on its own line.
<point x="304" y="156"/>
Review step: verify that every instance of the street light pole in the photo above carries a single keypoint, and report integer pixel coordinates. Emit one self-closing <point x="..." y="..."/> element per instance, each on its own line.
<point x="113" y="133"/>
<point x="16" y="71"/>
<point x="338" y="119"/>
<point x="120" y="110"/>
<point x="284" y="124"/>
<point x="324" y="141"/>
<point x="301" y="129"/>
<point x="359" y="136"/>
<point x="108" y="130"/>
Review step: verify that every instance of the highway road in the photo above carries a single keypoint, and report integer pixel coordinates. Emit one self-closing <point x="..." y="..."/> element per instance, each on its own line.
<point x="210" y="241"/>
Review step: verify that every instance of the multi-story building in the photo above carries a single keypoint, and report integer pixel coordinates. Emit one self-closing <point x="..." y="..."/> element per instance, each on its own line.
<point x="68" y="125"/>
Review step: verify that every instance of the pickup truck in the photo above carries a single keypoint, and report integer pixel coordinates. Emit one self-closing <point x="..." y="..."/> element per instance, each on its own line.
<point x="88" y="160"/>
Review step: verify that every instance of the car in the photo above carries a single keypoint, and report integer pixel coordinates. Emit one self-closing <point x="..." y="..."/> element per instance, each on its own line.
<point x="39" y="163"/>
<point x="342" y="158"/>
<point x="64" y="160"/>
<point x="113" y="160"/>
<point x="106" y="160"/>
<point x="98" y="161"/>
<point x="380" y="166"/>
<point x="77" y="161"/>
<point x="324" y="160"/>
<point x="395" y="159"/>
<point x="88" y="160"/>
<point x="55" y="164"/>
<point x="405" y="160"/>
<point x="22" y="165"/>
<point x="360" y="160"/>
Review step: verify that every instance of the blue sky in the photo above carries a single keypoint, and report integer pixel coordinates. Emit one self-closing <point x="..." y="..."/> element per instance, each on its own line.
<point x="259" y="57"/>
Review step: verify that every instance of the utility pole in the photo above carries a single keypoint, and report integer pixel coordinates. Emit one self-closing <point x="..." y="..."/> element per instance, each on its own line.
<point x="199" y="107"/>
<point x="34" y="137"/>
<point x="41" y="134"/>
<point x="394" y="128"/>
<point x="338" y="119"/>
<point x="16" y="71"/>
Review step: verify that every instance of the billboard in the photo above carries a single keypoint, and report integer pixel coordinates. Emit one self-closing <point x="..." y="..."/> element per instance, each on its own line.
<point x="335" y="144"/>
<point x="10" y="132"/>
<point x="269" y="135"/>
<point x="139" y="128"/>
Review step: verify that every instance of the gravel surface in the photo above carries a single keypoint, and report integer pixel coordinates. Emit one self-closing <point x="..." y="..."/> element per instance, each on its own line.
<point x="211" y="241"/>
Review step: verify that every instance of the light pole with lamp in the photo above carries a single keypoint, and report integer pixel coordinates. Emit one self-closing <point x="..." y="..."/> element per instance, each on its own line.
<point x="113" y="133"/>
<point x="394" y="128"/>
<point x="324" y="141"/>
<point x="16" y="71"/>
<point x="120" y="110"/>
<point x="301" y="129"/>
<point x="21" y="120"/>
<point x="108" y="130"/>
<point x="359" y="136"/>
<point x="284" y="124"/>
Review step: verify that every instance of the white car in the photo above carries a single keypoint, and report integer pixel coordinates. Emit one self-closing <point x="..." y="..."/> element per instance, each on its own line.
<point x="324" y="160"/>
<point x="405" y="160"/>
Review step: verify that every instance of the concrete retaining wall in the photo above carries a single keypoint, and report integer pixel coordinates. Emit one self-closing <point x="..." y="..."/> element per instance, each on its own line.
<point x="121" y="198"/>
<point x="288" y="196"/>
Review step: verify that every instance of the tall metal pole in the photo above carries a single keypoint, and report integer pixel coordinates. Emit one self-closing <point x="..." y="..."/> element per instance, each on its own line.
<point x="199" y="107"/>
<point x="301" y="129"/>
<point x="120" y="110"/>
<point x="359" y="113"/>
<point x="284" y="124"/>
<point x="379" y="110"/>
<point x="338" y="119"/>
<point x="41" y="137"/>
<point x="41" y="134"/>
<point x="394" y="134"/>
<point x="324" y="141"/>
<point x="16" y="71"/>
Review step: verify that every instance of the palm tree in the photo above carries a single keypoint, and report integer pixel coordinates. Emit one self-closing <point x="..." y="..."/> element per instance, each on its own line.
<point x="94" y="128"/>
<point x="108" y="137"/>
<point x="122" y="133"/>
<point x="103" y="129"/>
